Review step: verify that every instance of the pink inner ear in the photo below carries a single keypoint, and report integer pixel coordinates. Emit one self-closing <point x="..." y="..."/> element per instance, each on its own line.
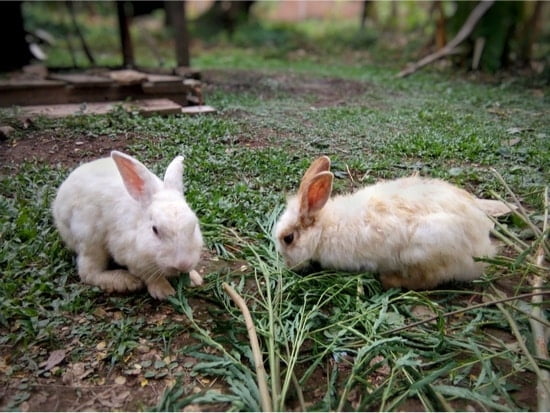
<point x="319" y="192"/>
<point x="131" y="178"/>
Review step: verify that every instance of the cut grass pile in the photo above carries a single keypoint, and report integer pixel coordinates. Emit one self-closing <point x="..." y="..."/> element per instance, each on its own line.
<point x="331" y="340"/>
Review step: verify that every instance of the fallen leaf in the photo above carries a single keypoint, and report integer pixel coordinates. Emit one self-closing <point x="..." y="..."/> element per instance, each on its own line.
<point x="56" y="357"/>
<point x="514" y="131"/>
<point x="4" y="365"/>
<point x="120" y="380"/>
<point x="74" y="373"/>
<point x="422" y="312"/>
<point x="101" y="345"/>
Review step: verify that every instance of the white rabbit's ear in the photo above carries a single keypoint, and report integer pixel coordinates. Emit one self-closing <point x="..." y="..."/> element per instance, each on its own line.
<point x="173" y="175"/>
<point x="315" y="193"/>
<point x="319" y="165"/>
<point x="140" y="183"/>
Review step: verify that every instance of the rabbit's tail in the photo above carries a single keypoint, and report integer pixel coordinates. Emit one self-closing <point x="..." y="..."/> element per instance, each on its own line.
<point x="495" y="208"/>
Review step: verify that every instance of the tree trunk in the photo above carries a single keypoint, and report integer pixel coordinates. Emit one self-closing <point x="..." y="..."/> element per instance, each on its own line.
<point x="14" y="50"/>
<point x="175" y="12"/>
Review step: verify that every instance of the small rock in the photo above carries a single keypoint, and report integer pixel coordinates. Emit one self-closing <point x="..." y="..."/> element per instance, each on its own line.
<point x="120" y="380"/>
<point x="5" y="132"/>
<point x="143" y="348"/>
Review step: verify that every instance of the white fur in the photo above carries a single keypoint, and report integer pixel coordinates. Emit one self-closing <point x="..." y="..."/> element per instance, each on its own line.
<point x="106" y="209"/>
<point x="415" y="232"/>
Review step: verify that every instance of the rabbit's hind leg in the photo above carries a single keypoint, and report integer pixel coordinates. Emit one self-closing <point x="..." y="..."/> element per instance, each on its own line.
<point x="92" y="269"/>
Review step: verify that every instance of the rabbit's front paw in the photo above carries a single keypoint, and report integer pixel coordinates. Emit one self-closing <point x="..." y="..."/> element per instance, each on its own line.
<point x="119" y="281"/>
<point x="160" y="288"/>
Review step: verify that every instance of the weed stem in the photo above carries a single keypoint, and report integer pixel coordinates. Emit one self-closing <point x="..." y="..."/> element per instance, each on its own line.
<point x="265" y="399"/>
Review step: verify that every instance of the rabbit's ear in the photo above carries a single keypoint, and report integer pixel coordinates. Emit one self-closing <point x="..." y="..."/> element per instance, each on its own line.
<point x="139" y="182"/>
<point x="173" y="175"/>
<point x="316" y="193"/>
<point x="319" y="165"/>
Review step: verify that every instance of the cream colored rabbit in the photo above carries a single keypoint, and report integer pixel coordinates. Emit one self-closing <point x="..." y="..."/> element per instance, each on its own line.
<point x="415" y="232"/>
<point x="116" y="209"/>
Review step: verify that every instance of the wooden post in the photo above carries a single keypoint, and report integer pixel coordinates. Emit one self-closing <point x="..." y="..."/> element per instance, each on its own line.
<point x="125" y="39"/>
<point x="175" y="11"/>
<point x="14" y="49"/>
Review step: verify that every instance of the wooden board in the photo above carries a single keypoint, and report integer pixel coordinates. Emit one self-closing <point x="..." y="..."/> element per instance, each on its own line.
<point x="145" y="107"/>
<point x="99" y="85"/>
<point x="127" y="76"/>
<point x="17" y="84"/>
<point x="197" y="110"/>
<point x="82" y="79"/>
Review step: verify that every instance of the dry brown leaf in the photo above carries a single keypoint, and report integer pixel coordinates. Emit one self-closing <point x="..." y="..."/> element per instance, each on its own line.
<point x="120" y="380"/>
<point x="56" y="357"/>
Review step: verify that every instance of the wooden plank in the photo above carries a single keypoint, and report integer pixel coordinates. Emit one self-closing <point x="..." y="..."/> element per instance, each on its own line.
<point x="127" y="76"/>
<point x="18" y="84"/>
<point x="164" y="87"/>
<point x="83" y="79"/>
<point x="197" y="110"/>
<point x="76" y="88"/>
<point x="155" y="107"/>
<point x="144" y="107"/>
<point x="33" y="92"/>
<point x="187" y="72"/>
<point x="159" y="79"/>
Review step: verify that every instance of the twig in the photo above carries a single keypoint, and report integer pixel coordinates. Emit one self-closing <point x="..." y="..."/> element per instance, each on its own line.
<point x="539" y="331"/>
<point x="506" y="236"/>
<point x="544" y="384"/>
<point x="516" y="200"/>
<point x="524" y="215"/>
<point x="469" y="25"/>
<point x="299" y="392"/>
<point x="350" y="175"/>
<point x="463" y="310"/>
<point x="265" y="398"/>
<point x="85" y="47"/>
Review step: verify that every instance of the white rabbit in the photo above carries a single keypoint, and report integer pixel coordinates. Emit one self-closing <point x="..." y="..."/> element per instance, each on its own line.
<point x="414" y="232"/>
<point x="115" y="209"/>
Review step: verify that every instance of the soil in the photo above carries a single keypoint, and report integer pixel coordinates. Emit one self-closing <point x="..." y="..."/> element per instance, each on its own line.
<point x="138" y="383"/>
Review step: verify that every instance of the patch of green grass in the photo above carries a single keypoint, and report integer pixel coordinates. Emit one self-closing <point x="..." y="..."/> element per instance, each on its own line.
<point x="337" y="332"/>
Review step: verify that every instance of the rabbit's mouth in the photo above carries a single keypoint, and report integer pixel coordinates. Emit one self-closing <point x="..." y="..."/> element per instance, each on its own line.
<point x="309" y="267"/>
<point x="171" y="272"/>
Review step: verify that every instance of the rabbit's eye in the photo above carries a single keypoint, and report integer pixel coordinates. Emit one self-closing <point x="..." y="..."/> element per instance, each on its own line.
<point x="288" y="238"/>
<point x="155" y="230"/>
